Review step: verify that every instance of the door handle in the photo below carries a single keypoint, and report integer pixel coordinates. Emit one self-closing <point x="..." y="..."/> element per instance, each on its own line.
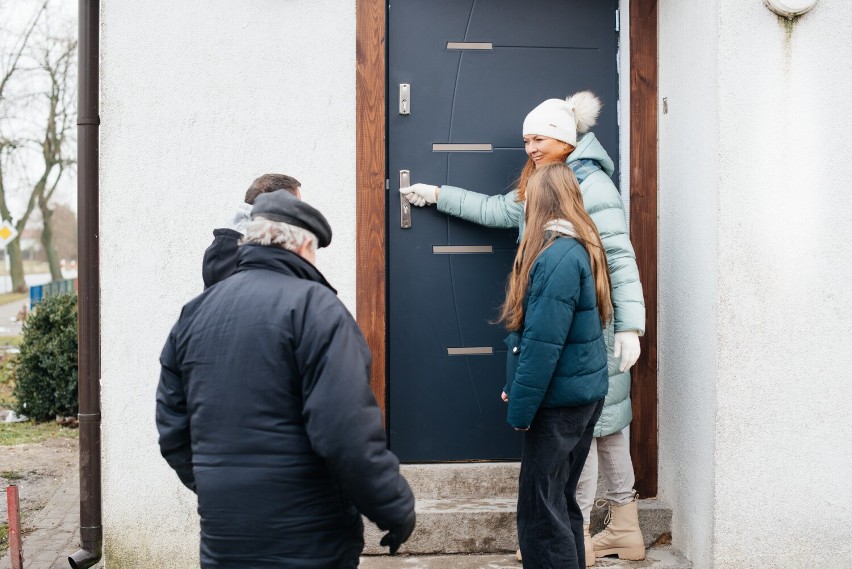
<point x="404" y="205"/>
<point x="404" y="99"/>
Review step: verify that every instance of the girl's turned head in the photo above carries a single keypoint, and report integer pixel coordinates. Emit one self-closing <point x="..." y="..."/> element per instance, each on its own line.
<point x="554" y="194"/>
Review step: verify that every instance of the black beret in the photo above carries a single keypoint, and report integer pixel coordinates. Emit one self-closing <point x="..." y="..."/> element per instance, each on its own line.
<point x="283" y="206"/>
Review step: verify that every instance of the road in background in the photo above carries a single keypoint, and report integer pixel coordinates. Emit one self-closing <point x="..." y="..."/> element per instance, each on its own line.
<point x="33" y="280"/>
<point x="9" y="326"/>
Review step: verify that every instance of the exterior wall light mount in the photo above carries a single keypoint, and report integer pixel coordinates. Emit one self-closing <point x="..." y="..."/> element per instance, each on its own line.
<point x="790" y="8"/>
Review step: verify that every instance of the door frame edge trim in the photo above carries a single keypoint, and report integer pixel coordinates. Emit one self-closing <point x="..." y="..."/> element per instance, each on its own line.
<point x="370" y="175"/>
<point x="371" y="160"/>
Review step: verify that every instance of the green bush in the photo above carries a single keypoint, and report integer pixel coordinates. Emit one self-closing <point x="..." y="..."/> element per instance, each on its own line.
<point x="46" y="369"/>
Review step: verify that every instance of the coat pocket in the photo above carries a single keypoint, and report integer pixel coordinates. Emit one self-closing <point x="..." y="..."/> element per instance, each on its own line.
<point x="513" y="355"/>
<point x="609" y="340"/>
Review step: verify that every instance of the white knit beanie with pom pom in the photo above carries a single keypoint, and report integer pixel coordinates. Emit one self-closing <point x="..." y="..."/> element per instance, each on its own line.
<point x="562" y="120"/>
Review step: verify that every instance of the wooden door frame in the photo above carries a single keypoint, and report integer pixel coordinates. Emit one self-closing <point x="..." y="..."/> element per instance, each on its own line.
<point x="371" y="272"/>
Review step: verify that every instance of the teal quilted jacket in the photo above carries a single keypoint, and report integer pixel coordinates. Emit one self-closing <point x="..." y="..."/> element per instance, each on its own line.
<point x="593" y="167"/>
<point x="559" y="359"/>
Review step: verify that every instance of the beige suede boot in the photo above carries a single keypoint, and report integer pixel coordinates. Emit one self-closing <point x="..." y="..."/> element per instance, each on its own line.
<point x="622" y="535"/>
<point x="587" y="542"/>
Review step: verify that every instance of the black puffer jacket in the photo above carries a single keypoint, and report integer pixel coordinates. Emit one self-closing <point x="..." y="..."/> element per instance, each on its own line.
<point x="264" y="409"/>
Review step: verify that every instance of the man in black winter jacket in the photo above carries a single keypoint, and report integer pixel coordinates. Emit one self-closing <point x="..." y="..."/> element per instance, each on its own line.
<point x="220" y="257"/>
<point x="264" y="409"/>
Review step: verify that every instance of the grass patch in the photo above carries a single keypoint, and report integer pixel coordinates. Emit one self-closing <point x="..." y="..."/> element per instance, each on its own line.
<point x="11" y="341"/>
<point x="7" y="397"/>
<point x="30" y="432"/>
<point x="7" y="297"/>
<point x="32" y="267"/>
<point x="7" y="371"/>
<point x="11" y="475"/>
<point x="4" y="537"/>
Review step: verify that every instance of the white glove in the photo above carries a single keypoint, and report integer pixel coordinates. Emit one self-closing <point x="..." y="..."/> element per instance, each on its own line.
<point x="627" y="346"/>
<point x="420" y="194"/>
<point x="413" y="198"/>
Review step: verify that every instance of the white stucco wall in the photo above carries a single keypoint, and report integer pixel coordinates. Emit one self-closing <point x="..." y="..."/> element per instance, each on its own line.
<point x="754" y="248"/>
<point x="755" y="265"/>
<point x="784" y="436"/>
<point x="687" y="268"/>
<point x="198" y="98"/>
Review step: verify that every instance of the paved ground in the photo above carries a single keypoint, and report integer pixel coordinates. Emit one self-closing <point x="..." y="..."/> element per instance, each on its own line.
<point x="441" y="562"/>
<point x="658" y="558"/>
<point x="8" y="312"/>
<point x="8" y="325"/>
<point x="56" y="534"/>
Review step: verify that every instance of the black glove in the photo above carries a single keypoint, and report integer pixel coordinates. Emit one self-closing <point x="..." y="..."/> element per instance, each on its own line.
<point x="399" y="534"/>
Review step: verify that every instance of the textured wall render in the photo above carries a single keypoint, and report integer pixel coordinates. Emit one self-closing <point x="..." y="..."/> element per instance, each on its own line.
<point x="198" y="98"/>
<point x="755" y="265"/>
<point x="783" y="429"/>
<point x="687" y="268"/>
<point x="755" y="257"/>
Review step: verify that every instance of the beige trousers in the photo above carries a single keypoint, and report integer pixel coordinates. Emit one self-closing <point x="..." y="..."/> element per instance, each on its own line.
<point x="610" y="454"/>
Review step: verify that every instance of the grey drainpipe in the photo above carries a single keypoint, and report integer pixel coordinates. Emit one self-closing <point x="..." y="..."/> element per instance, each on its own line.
<point x="89" y="307"/>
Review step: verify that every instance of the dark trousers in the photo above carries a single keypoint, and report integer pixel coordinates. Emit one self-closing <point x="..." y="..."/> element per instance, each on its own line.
<point x="550" y="523"/>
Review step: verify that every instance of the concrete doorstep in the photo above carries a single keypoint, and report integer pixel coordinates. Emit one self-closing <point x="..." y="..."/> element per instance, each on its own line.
<point x="658" y="558"/>
<point x="470" y="509"/>
<point x="466" y="520"/>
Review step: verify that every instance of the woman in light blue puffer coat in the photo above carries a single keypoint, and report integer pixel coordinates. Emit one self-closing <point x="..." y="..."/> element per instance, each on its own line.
<point x="551" y="135"/>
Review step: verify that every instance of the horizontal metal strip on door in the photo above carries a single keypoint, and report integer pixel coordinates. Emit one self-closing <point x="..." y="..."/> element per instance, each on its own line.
<point x="489" y="46"/>
<point x="479" y="351"/>
<point x="472" y="147"/>
<point x="471" y="45"/>
<point x="461" y="249"/>
<point x="548" y="47"/>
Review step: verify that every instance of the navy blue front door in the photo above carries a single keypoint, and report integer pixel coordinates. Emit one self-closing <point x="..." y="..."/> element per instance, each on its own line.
<point x="473" y="68"/>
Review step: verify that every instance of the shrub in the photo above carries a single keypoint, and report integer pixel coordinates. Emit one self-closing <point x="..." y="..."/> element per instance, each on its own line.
<point x="46" y="369"/>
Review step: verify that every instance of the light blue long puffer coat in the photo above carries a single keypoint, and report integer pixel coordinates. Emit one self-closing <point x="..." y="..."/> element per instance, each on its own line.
<point x="602" y="201"/>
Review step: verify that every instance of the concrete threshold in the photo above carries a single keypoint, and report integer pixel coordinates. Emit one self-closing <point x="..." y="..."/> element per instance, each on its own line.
<point x="658" y="558"/>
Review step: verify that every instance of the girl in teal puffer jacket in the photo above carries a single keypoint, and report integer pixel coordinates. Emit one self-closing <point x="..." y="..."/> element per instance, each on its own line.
<point x="557" y="302"/>
<point x="551" y="135"/>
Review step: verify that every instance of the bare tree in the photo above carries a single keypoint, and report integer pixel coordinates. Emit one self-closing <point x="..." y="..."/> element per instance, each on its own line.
<point x="45" y="64"/>
<point x="58" y="62"/>
<point x="10" y="143"/>
<point x="64" y="226"/>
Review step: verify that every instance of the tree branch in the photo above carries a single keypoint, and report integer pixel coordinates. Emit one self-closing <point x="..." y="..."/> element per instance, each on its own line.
<point x="15" y="56"/>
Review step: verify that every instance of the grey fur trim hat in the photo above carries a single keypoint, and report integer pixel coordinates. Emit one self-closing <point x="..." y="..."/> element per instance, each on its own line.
<point x="283" y="206"/>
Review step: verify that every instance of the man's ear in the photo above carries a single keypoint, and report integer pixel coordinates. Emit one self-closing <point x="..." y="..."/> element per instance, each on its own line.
<point x="307" y="252"/>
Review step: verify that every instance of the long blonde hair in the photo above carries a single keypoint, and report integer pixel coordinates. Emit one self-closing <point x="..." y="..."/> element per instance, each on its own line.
<point x="553" y="193"/>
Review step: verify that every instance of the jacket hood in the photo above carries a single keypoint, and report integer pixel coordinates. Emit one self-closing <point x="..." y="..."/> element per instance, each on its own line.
<point x="252" y="256"/>
<point x="588" y="148"/>
<point x="241" y="218"/>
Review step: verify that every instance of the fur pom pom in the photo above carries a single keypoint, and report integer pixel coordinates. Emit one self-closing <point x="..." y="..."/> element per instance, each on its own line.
<point x="587" y="107"/>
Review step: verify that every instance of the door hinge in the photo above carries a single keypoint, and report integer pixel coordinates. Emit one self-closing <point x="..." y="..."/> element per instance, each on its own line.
<point x="617" y="20"/>
<point x="387" y="183"/>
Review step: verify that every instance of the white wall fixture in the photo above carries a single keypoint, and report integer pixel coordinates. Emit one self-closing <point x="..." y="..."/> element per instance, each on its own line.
<point x="790" y="8"/>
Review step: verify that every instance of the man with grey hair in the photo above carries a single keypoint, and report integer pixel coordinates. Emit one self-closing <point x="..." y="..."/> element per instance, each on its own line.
<point x="264" y="409"/>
